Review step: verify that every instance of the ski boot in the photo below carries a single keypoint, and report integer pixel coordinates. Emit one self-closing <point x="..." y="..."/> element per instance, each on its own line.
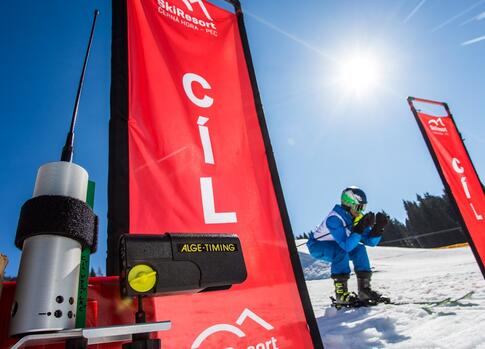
<point x="367" y="296"/>
<point x="343" y="298"/>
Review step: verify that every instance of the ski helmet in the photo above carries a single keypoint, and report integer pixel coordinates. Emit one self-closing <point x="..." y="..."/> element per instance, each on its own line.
<point x="354" y="198"/>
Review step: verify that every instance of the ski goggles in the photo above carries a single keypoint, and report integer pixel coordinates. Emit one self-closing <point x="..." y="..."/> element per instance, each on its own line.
<point x="360" y="207"/>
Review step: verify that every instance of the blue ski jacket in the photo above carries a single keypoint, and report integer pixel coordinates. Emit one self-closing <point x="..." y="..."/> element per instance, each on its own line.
<point x="338" y="227"/>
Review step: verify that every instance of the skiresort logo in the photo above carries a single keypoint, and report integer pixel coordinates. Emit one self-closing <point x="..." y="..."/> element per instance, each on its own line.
<point x="181" y="16"/>
<point x="270" y="343"/>
<point x="437" y="126"/>
<point x="189" y="3"/>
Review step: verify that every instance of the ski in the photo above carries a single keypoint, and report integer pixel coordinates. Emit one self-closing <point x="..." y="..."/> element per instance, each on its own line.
<point x="430" y="306"/>
<point x="444" y="302"/>
<point x="426" y="306"/>
<point x="337" y="305"/>
<point x="359" y="303"/>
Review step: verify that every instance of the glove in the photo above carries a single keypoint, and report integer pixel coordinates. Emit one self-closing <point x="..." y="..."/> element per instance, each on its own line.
<point x="381" y="222"/>
<point x="367" y="221"/>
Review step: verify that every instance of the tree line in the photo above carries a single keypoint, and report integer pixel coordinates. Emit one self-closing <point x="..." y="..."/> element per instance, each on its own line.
<point x="431" y="222"/>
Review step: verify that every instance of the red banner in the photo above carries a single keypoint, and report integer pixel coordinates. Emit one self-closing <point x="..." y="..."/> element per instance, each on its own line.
<point x="457" y="172"/>
<point x="198" y="163"/>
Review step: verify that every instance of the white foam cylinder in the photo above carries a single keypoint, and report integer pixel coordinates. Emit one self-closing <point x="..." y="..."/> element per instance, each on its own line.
<point x="62" y="178"/>
<point x="48" y="278"/>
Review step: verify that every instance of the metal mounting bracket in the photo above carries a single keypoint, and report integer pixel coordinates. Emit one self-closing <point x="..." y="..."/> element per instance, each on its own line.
<point x="94" y="335"/>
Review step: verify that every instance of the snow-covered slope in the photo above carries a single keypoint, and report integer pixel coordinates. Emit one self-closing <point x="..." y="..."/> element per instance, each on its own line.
<point x="312" y="268"/>
<point x="407" y="276"/>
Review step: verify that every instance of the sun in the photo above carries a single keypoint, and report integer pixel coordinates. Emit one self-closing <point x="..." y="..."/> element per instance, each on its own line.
<point x="359" y="73"/>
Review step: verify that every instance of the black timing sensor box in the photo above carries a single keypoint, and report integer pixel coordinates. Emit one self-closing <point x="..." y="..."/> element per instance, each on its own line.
<point x="184" y="263"/>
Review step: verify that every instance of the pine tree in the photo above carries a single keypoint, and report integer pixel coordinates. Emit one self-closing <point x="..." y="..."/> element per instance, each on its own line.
<point x="395" y="232"/>
<point x="433" y="214"/>
<point x="431" y="221"/>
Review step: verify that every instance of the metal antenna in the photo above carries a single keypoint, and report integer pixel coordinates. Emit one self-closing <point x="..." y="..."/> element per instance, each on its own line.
<point x="67" y="151"/>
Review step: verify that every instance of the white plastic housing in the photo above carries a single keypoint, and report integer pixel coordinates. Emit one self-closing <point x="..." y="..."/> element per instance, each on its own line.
<point x="48" y="278"/>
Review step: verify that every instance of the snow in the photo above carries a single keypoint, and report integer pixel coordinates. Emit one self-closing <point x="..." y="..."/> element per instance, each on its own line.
<point x="407" y="276"/>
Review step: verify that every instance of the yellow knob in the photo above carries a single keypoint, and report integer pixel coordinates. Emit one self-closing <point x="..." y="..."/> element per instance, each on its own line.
<point x="142" y="278"/>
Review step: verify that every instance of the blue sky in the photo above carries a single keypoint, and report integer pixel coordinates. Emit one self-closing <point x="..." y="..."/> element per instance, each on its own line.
<point x="325" y="135"/>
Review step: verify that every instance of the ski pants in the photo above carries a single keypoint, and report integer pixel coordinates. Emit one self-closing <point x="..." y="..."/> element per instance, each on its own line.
<point x="330" y="251"/>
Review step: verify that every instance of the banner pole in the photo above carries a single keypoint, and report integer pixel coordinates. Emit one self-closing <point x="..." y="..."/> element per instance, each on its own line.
<point x="454" y="204"/>
<point x="295" y="261"/>
<point x="118" y="173"/>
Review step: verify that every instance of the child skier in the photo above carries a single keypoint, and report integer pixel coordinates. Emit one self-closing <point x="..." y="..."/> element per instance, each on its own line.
<point x="342" y="237"/>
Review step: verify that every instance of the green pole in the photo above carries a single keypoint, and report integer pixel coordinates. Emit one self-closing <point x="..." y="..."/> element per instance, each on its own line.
<point x="82" y="293"/>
